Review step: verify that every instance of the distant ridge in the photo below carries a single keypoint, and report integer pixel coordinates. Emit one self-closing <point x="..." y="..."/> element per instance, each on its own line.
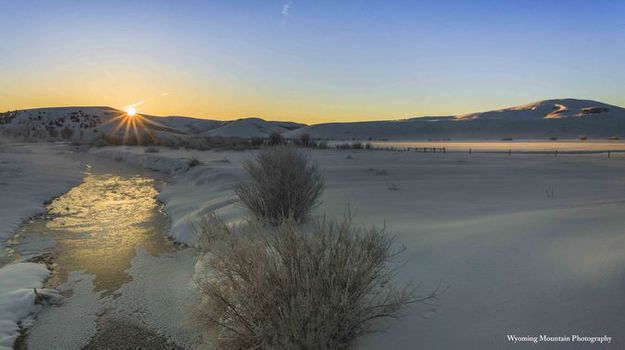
<point x="555" y="118"/>
<point x="89" y="123"/>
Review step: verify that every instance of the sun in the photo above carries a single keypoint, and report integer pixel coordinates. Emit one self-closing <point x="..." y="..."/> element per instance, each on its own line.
<point x="135" y="127"/>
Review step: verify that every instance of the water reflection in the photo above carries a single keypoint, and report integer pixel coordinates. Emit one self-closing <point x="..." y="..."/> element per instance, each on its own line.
<point x="98" y="226"/>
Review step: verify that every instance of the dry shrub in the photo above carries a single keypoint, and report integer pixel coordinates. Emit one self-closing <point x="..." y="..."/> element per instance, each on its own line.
<point x="100" y="142"/>
<point x="275" y="139"/>
<point x="285" y="184"/>
<point x="274" y="287"/>
<point x="193" y="162"/>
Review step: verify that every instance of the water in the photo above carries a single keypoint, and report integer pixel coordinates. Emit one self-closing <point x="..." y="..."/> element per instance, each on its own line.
<point x="125" y="284"/>
<point x="571" y="146"/>
<point x="97" y="228"/>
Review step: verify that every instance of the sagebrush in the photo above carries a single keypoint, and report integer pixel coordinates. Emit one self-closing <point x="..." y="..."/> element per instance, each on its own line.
<point x="275" y="287"/>
<point x="285" y="184"/>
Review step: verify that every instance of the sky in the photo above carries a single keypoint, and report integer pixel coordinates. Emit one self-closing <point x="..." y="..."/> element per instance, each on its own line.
<point x="310" y="61"/>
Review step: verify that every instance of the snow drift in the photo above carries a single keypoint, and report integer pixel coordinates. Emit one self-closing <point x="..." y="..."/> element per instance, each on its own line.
<point x="20" y="298"/>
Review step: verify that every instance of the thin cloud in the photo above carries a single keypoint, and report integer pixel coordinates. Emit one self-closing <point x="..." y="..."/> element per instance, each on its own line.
<point x="139" y="103"/>
<point x="285" y="11"/>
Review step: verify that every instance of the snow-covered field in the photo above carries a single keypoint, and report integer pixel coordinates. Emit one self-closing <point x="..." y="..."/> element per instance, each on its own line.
<point x="29" y="175"/>
<point x="527" y="244"/>
<point x="523" y="244"/>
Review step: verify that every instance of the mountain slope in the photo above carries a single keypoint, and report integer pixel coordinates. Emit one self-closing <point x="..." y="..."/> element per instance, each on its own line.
<point x="251" y="127"/>
<point x="564" y="118"/>
<point x="188" y="125"/>
<point x="89" y="123"/>
<point x="548" y="109"/>
<point x="71" y="123"/>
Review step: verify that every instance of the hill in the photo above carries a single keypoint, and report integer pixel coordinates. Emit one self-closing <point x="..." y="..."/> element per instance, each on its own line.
<point x="86" y="124"/>
<point x="562" y="118"/>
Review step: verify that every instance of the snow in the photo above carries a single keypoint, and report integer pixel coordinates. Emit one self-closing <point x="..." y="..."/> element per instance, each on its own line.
<point x="30" y="175"/>
<point x="524" y="244"/>
<point x="44" y="124"/>
<point x="559" y="108"/>
<point x="249" y="128"/>
<point x="86" y="124"/>
<point x="514" y="260"/>
<point x="190" y="193"/>
<point x="17" y="298"/>
<point x="166" y="308"/>
<point x="137" y="156"/>
<point x="563" y="118"/>
<point x="188" y="125"/>
<point x="77" y="317"/>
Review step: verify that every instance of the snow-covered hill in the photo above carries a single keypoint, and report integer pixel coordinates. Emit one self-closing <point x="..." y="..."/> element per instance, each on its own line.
<point x="251" y="127"/>
<point x="70" y="123"/>
<point x="563" y="118"/>
<point x="549" y="109"/>
<point x="89" y="123"/>
<point x="188" y="125"/>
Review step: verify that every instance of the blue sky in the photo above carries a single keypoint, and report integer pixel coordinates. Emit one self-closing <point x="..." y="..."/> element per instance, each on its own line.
<point x="310" y="60"/>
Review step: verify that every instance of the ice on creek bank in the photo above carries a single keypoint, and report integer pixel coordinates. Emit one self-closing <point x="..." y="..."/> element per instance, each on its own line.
<point x="21" y="298"/>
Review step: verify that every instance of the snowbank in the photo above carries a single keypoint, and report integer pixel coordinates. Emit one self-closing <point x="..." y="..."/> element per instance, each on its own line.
<point x="19" y="304"/>
<point x="137" y="156"/>
<point x="31" y="174"/>
<point x="190" y="193"/>
<point x="77" y="315"/>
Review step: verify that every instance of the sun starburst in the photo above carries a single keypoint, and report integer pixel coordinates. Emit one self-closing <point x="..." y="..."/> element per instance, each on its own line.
<point x="137" y="129"/>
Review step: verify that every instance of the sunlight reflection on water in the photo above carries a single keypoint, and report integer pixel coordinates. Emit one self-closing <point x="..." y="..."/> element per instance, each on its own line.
<point x="98" y="226"/>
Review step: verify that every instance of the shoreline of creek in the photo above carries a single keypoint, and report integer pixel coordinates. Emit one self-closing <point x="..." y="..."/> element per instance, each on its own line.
<point x="91" y="237"/>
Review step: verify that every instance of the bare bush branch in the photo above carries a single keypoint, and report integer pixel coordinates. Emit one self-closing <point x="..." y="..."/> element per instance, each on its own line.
<point x="274" y="287"/>
<point x="285" y="184"/>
